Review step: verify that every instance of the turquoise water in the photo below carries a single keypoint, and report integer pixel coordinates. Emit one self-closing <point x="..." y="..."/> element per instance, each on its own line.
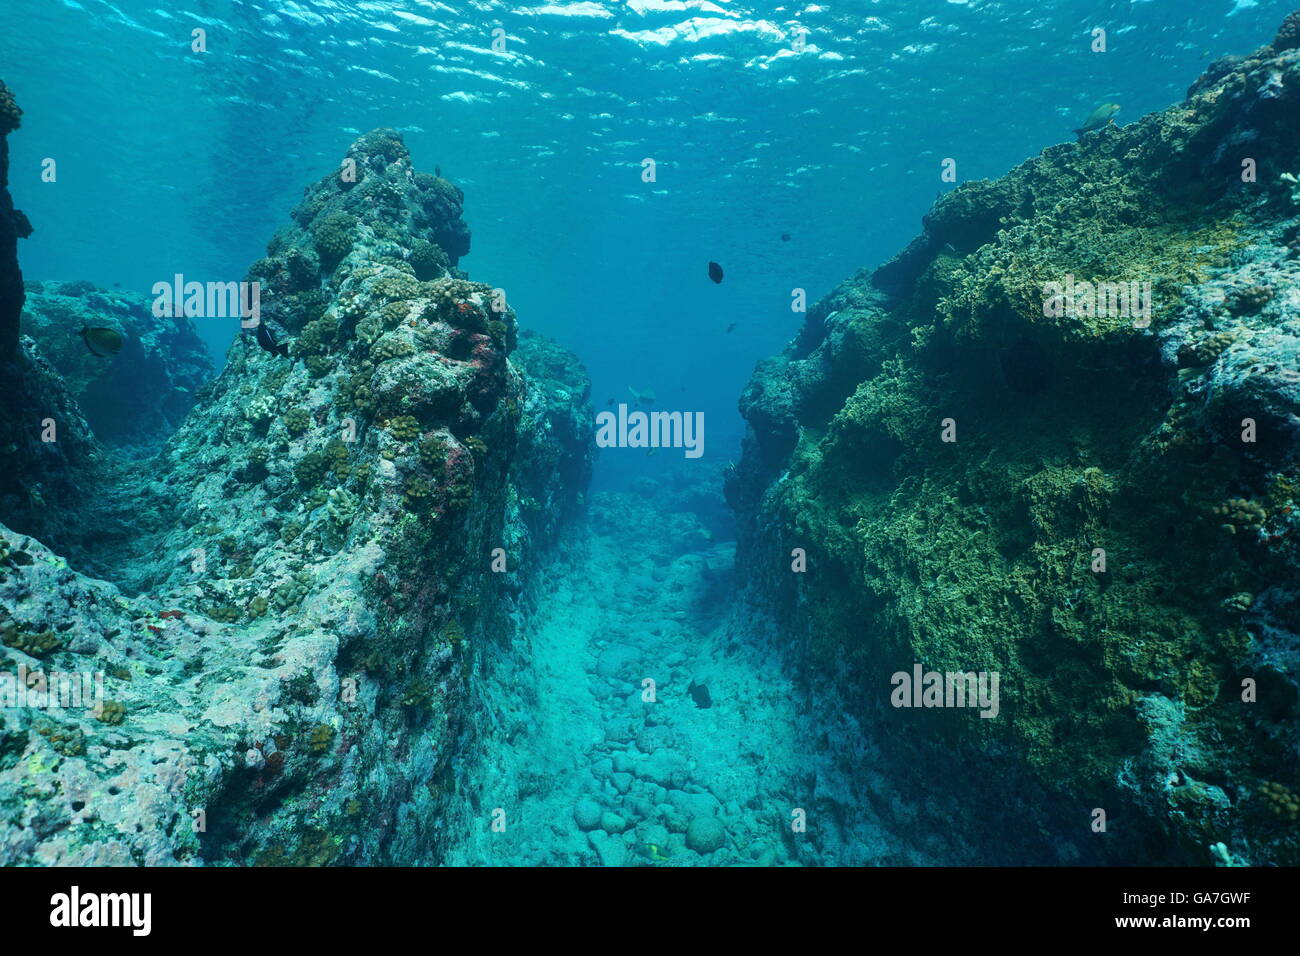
<point x="791" y="168"/>
<point x="172" y="161"/>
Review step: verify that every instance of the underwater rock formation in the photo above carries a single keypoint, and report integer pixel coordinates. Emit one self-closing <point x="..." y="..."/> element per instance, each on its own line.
<point x="13" y="226"/>
<point x="45" y="443"/>
<point x="556" y="451"/>
<point x="135" y="399"/>
<point x="51" y="457"/>
<point x="954" y="451"/>
<point x="299" y="584"/>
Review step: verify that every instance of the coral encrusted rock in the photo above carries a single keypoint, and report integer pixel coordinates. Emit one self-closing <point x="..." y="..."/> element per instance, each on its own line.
<point x="1098" y="502"/>
<point x="1288" y="34"/>
<point x="298" y="588"/>
<point x="132" y="400"/>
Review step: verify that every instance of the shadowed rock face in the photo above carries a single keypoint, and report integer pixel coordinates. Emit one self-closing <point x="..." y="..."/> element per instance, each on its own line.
<point x="13" y="226"/>
<point x="289" y="601"/>
<point x="133" y="400"/>
<point x="40" y="478"/>
<point x="1121" y="689"/>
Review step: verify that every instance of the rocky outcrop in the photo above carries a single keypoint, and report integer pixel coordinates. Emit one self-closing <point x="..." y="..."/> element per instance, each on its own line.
<point x="13" y="226"/>
<point x="553" y="464"/>
<point x="300" y="586"/>
<point x="51" y="457"/>
<point x="46" y="445"/>
<point x="1100" y="508"/>
<point x="135" y="399"/>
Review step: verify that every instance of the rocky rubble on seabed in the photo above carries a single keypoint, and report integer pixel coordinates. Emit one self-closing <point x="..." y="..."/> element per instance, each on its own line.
<point x="291" y="596"/>
<point x="649" y="727"/>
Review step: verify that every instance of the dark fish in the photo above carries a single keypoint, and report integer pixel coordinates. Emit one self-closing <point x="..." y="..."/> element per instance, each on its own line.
<point x="785" y="237"/>
<point x="715" y="272"/>
<point x="730" y="327"/>
<point x="102" y="342"/>
<point x="700" y="694"/>
<point x="268" y="343"/>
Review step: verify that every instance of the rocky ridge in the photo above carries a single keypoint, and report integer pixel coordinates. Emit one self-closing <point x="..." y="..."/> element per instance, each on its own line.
<point x="1169" y="445"/>
<point x="291" y="597"/>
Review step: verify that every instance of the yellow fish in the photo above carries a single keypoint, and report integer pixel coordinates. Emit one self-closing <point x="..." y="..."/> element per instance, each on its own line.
<point x="654" y="853"/>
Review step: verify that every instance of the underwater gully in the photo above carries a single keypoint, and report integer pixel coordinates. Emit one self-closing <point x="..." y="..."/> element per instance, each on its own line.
<point x="639" y="429"/>
<point x="1004" y="571"/>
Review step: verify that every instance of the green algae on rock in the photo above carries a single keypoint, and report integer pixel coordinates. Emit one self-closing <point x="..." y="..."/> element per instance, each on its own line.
<point x="1099" y="509"/>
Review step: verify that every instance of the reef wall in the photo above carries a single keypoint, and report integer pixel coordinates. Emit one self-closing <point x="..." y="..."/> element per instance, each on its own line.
<point x="46" y="446"/>
<point x="133" y="400"/>
<point x="292" y="598"/>
<point x="955" y="457"/>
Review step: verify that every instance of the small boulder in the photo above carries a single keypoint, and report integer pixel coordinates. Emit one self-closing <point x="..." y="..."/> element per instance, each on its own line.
<point x="586" y="814"/>
<point x="705" y="835"/>
<point x="611" y="850"/>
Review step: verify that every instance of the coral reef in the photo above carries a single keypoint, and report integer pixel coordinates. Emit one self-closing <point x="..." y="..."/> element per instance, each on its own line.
<point x="269" y="603"/>
<point x="134" y="400"/>
<point x="1099" y="506"/>
<point x="1288" y="34"/>
<point x="559" y="450"/>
